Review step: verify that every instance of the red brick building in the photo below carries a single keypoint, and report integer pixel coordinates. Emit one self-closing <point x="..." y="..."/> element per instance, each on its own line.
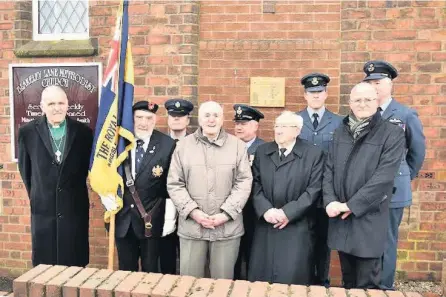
<point x="209" y="49"/>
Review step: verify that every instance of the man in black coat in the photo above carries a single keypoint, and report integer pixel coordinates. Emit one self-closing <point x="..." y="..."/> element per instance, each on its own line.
<point x="246" y="120"/>
<point x="287" y="183"/>
<point x="54" y="155"/>
<point x="358" y="186"/>
<point x="149" y="163"/>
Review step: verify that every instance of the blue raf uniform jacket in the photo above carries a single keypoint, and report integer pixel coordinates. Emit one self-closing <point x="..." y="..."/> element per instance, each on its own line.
<point x="413" y="157"/>
<point x="322" y="136"/>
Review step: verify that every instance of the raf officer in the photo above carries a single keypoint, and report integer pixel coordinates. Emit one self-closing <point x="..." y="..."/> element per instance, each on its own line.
<point x="178" y="119"/>
<point x="246" y="121"/>
<point x="318" y="128"/>
<point x="380" y="75"/>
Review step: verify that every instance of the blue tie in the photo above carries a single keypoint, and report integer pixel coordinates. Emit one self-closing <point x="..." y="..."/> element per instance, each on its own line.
<point x="139" y="154"/>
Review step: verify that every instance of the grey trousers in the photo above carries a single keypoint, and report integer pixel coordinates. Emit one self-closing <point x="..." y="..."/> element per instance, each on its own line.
<point x="222" y="257"/>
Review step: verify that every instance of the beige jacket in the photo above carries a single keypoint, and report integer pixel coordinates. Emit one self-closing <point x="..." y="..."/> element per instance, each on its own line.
<point x="213" y="177"/>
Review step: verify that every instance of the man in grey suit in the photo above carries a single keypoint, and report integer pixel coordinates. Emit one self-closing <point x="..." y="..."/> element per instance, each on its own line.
<point x="380" y="75"/>
<point x="246" y="120"/>
<point x="318" y="128"/>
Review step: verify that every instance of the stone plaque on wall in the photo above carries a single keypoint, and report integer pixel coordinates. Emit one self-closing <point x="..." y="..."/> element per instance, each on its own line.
<point x="267" y="91"/>
<point x="81" y="82"/>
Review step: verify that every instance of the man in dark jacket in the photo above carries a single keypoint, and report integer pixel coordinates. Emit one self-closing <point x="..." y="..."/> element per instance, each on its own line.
<point x="54" y="155"/>
<point x="358" y="185"/>
<point x="287" y="183"/>
<point x="246" y="120"/>
<point x="149" y="163"/>
<point x="380" y="75"/>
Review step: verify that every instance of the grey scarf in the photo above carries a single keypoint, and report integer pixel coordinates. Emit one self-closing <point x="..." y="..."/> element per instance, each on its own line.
<point x="356" y="126"/>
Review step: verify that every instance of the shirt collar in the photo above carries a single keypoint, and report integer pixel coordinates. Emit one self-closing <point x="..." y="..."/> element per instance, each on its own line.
<point x="320" y="112"/>
<point x="249" y="143"/>
<point x="288" y="148"/>
<point x="173" y="135"/>
<point x="385" y="105"/>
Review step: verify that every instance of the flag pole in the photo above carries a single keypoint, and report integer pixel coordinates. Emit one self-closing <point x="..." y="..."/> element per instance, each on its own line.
<point x="111" y="242"/>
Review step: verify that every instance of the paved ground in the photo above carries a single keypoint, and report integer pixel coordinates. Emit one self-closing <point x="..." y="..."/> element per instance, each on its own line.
<point x="420" y="287"/>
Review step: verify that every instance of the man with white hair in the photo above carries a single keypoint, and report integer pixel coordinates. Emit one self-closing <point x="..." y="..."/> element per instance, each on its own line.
<point x="380" y="75"/>
<point x="209" y="182"/>
<point x="358" y="185"/>
<point x="287" y="183"/>
<point x="140" y="222"/>
<point x="54" y="156"/>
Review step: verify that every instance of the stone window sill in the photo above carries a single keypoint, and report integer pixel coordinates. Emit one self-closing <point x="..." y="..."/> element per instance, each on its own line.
<point x="57" y="48"/>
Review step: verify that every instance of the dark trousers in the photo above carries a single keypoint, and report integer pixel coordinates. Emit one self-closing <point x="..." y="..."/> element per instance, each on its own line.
<point x="390" y="253"/>
<point x="131" y="248"/>
<point x="244" y="253"/>
<point x="170" y="246"/>
<point x="322" y="251"/>
<point x="361" y="273"/>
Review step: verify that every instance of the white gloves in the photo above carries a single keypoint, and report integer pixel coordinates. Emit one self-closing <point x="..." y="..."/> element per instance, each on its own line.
<point x="109" y="202"/>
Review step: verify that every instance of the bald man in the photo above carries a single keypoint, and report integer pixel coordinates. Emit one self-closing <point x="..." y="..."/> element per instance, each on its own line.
<point x="358" y="186"/>
<point x="54" y="155"/>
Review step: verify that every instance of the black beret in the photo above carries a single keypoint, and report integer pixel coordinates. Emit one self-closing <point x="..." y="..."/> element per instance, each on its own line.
<point x="145" y="105"/>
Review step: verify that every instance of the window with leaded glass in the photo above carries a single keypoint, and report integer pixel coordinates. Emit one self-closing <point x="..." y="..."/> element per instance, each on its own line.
<point x="60" y="19"/>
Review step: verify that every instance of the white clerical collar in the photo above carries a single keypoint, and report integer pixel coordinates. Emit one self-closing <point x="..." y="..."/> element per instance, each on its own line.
<point x="385" y="105"/>
<point x="320" y="113"/>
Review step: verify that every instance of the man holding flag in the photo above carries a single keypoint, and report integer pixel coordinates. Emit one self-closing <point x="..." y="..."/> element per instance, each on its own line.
<point x="131" y="180"/>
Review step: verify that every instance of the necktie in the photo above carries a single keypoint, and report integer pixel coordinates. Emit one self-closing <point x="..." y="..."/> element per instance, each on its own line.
<point x="380" y="110"/>
<point x="315" y="122"/>
<point x="139" y="154"/>
<point x="282" y="154"/>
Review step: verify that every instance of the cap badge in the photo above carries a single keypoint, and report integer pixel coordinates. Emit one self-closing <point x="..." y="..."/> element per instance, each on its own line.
<point x="177" y="104"/>
<point x="371" y="67"/>
<point x="314" y="81"/>
<point x="239" y="110"/>
<point x="151" y="106"/>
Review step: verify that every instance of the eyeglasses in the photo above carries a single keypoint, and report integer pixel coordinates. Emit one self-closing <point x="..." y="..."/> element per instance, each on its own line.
<point x="366" y="101"/>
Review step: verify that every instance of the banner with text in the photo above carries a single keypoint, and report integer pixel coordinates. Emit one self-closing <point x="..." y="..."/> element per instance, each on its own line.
<point x="27" y="81"/>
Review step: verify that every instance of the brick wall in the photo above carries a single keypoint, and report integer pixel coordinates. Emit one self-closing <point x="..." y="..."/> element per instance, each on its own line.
<point x="61" y="281"/>
<point x="209" y="50"/>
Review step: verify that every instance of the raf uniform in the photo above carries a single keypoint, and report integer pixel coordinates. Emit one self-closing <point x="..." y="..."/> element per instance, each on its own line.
<point x="170" y="244"/>
<point x="411" y="163"/>
<point x="247" y="113"/>
<point x="318" y="130"/>
<point x="150" y="181"/>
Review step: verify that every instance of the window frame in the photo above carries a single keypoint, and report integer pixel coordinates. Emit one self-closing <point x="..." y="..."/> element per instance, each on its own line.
<point x="57" y="36"/>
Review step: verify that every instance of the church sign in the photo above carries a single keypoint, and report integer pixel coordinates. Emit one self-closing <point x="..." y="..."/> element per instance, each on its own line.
<point x="81" y="82"/>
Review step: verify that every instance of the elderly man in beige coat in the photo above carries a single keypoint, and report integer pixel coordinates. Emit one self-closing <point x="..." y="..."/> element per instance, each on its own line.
<point x="209" y="182"/>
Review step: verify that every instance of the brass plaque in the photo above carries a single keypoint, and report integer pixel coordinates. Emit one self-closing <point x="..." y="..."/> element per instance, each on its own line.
<point x="267" y="91"/>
